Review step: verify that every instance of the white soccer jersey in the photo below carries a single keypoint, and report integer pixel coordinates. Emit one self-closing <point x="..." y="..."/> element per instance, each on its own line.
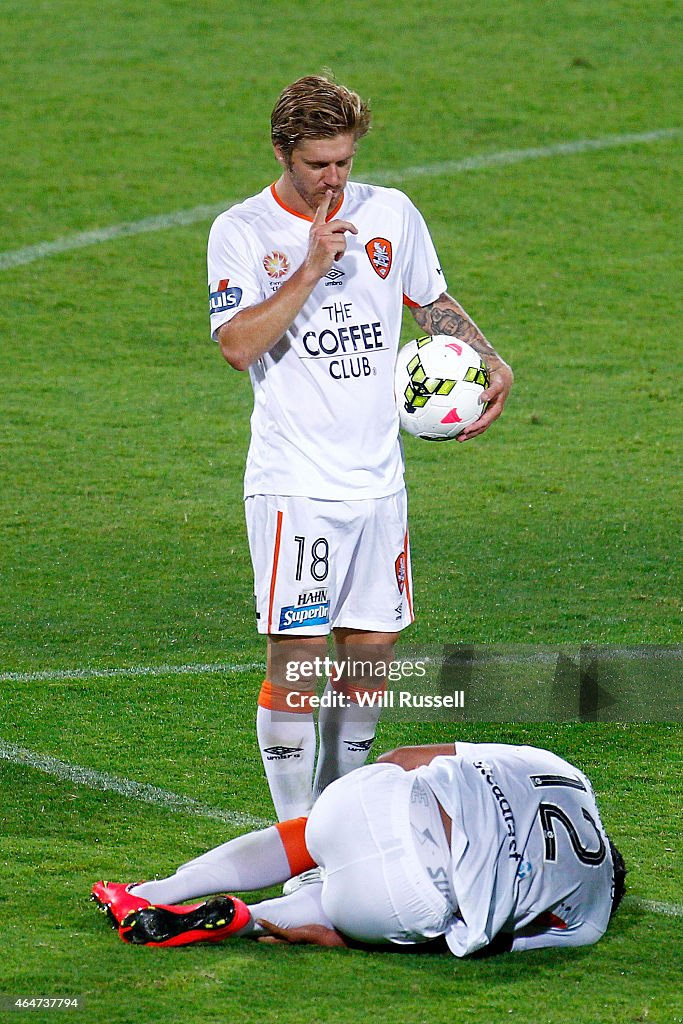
<point x="527" y="842"/>
<point x="325" y="421"/>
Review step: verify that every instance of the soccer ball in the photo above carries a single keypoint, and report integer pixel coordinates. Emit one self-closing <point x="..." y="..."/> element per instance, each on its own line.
<point x="438" y="384"/>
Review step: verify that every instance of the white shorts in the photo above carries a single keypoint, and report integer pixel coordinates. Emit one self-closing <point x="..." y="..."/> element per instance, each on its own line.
<point x="377" y="887"/>
<point x="321" y="564"/>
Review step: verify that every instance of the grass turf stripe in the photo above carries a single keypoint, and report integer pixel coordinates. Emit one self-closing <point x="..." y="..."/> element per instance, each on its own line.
<point x="125" y="787"/>
<point x="97" y="236"/>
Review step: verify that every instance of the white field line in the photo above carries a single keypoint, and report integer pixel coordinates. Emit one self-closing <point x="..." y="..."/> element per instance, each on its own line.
<point x="125" y="787"/>
<point x="513" y="656"/>
<point x="185" y="805"/>
<point x="657" y="907"/>
<point x="132" y="672"/>
<point x="96" y="236"/>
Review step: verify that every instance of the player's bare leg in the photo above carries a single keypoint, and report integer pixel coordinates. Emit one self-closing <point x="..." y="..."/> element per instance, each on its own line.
<point x="284" y="723"/>
<point x="348" y="719"/>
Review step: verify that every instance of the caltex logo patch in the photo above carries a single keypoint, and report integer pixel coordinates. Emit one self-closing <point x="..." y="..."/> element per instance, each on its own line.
<point x="380" y="255"/>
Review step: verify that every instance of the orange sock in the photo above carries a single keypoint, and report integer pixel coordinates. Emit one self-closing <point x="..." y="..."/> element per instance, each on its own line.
<point x="294" y="842"/>
<point x="287" y="740"/>
<point x="283" y="698"/>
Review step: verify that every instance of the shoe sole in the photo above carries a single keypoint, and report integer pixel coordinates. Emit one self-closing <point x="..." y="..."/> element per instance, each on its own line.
<point x="156" y="926"/>
<point x="105" y="909"/>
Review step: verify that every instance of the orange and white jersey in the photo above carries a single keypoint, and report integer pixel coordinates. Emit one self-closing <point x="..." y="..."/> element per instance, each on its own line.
<point x="325" y="421"/>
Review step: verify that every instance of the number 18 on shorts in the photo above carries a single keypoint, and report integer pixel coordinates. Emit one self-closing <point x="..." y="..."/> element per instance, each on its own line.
<point x="322" y="564"/>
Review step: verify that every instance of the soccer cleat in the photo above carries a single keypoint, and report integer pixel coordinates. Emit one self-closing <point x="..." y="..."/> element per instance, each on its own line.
<point x="313" y="876"/>
<point x="116" y="900"/>
<point x="212" y="921"/>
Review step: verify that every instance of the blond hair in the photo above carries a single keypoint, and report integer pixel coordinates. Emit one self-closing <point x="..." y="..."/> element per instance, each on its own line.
<point x="315" y="107"/>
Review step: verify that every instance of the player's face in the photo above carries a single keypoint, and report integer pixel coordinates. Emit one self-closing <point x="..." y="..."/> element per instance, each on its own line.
<point x="315" y="167"/>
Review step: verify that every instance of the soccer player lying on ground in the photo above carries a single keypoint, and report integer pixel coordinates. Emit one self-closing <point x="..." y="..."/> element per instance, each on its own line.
<point x="483" y="845"/>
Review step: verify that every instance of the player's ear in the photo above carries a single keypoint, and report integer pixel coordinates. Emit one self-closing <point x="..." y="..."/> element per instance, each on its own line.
<point x="280" y="155"/>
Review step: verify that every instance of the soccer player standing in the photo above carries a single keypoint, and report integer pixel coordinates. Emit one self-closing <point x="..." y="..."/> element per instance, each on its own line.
<point x="307" y="283"/>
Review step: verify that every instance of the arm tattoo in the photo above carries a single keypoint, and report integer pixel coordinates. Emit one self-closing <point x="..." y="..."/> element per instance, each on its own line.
<point x="446" y="316"/>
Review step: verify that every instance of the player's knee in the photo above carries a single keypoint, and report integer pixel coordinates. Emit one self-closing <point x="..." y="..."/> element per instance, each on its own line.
<point x="365" y="638"/>
<point x="296" y="662"/>
<point x="307" y="644"/>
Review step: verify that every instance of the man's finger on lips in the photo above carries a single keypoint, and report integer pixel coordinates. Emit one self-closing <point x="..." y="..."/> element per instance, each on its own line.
<point x="323" y="209"/>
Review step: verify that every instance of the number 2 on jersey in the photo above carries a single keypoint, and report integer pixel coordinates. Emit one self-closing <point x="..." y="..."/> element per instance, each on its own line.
<point x="550" y="812"/>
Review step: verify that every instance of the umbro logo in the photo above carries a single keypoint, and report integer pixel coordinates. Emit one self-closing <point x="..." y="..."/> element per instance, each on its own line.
<point x="334" y="277"/>
<point x="281" y="753"/>
<point x="357" y="746"/>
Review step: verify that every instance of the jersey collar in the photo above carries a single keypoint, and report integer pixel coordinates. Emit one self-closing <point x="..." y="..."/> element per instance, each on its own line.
<point x="302" y="216"/>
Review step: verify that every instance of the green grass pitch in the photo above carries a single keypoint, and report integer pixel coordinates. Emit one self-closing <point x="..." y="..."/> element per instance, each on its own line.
<point x="123" y="436"/>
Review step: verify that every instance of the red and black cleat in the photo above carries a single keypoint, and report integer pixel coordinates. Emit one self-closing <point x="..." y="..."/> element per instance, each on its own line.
<point x="116" y="900"/>
<point x="212" y="921"/>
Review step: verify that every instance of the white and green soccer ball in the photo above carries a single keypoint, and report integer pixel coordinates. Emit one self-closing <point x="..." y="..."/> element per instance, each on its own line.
<point x="438" y="386"/>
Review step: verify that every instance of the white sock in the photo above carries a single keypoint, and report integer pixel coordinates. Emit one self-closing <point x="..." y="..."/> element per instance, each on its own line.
<point x="302" y="907"/>
<point x="253" y="861"/>
<point x="346" y="735"/>
<point x="287" y="742"/>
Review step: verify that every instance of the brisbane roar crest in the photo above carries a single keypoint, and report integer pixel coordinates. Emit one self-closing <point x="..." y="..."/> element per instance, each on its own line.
<point x="380" y="255"/>
<point x="401" y="572"/>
